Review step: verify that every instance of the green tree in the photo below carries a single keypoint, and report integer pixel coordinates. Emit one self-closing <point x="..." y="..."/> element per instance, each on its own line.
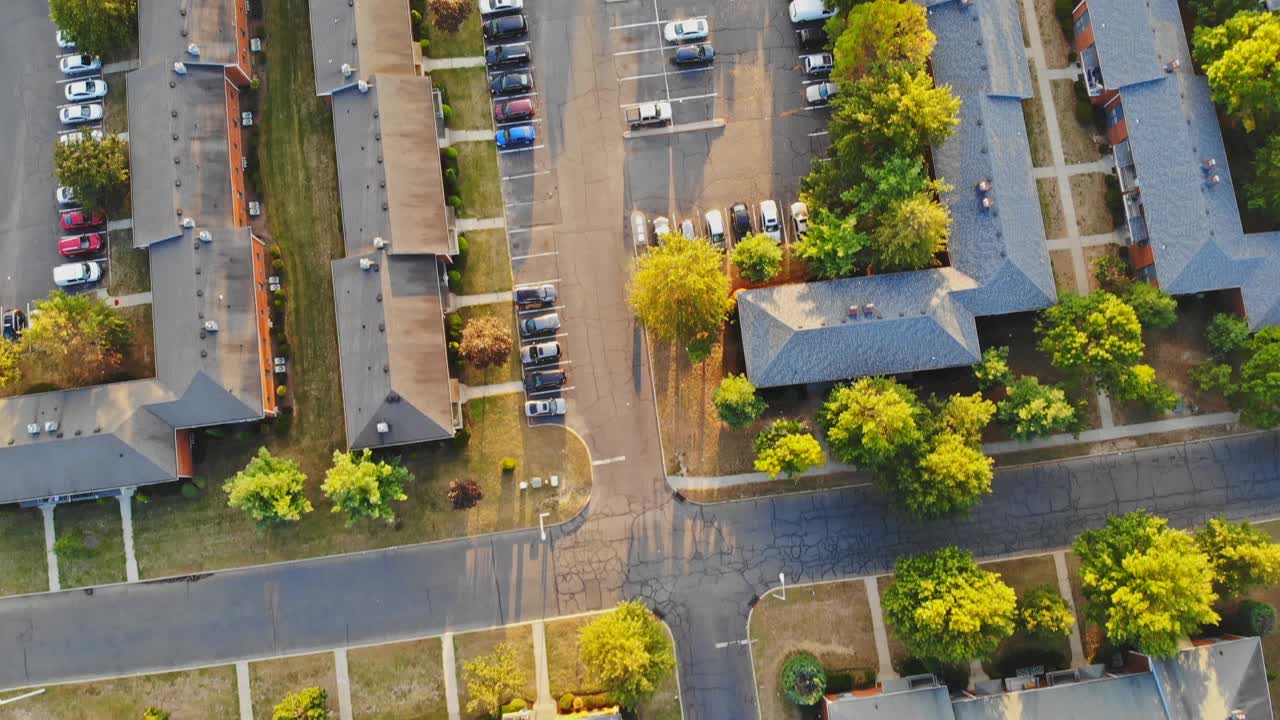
<point x="307" y="704"/>
<point x="1262" y="191"/>
<point x="96" y="170"/>
<point x="994" y="370"/>
<point x="680" y="292"/>
<point x="10" y="363"/>
<point x="951" y="477"/>
<point x="1211" y="376"/>
<point x="1031" y="410"/>
<point x="1243" y="557"/>
<point x="803" y="679"/>
<point x="900" y="176"/>
<point x="1139" y="383"/>
<point x="493" y="679"/>
<point x="758" y="258"/>
<point x="271" y="489"/>
<point x="945" y="608"/>
<point x="788" y="447"/>
<point x="1044" y="613"/>
<point x="1155" y="308"/>
<point x="364" y="488"/>
<point x="1241" y="59"/>
<point x="881" y="34"/>
<point x="965" y="415"/>
<point x="486" y="341"/>
<point x="1094" y="337"/>
<point x="911" y="236"/>
<point x="737" y="402"/>
<point x="901" y="111"/>
<point x="75" y="340"/>
<point x="1146" y="583"/>
<point x="1112" y="273"/>
<point x="155" y="713"/>
<point x="630" y="652"/>
<point x="1215" y="12"/>
<point x="100" y="27"/>
<point x="1227" y="334"/>
<point x="1258" y="391"/>
<point x="872" y="423"/>
<point x="833" y="247"/>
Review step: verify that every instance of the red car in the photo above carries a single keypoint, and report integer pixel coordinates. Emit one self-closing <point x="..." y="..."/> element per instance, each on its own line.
<point x="87" y="244"/>
<point x="73" y="220"/>
<point x="513" y="110"/>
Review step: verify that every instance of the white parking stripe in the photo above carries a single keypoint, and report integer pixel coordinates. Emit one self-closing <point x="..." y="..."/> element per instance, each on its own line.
<point x="540" y="310"/>
<point x="664" y="73"/>
<point x="535" y="255"/>
<point x="535" y="284"/>
<point x="531" y="121"/>
<point x="526" y="175"/>
<point x="552" y="391"/>
<point x="511" y="230"/>
<point x="521" y="203"/>
<point x="520" y="149"/>
<point x="817" y="134"/>
<point x="639" y="24"/>
<point x="539" y="339"/>
<point x="674" y="100"/>
<point x="645" y="50"/>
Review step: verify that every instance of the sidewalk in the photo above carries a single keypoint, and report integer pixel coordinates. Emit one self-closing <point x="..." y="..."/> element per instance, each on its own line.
<point x="471" y="392"/>
<point x="430" y="64"/>
<point x="461" y="301"/>
<point x="494" y="223"/>
<point x="124" y="300"/>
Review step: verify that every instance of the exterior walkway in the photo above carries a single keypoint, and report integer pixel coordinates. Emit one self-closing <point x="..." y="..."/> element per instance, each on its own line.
<point x="121" y="66"/>
<point x="457" y="136"/>
<point x="343" y="680"/>
<point x="120" y="224"/>
<point x="1064" y="589"/>
<point x="143" y="298"/>
<point x="545" y="707"/>
<point x="471" y="392"/>
<point x="493" y="223"/>
<point x="243" y="692"/>
<point x="51" y="558"/>
<point x="1104" y="165"/>
<point x="450" y="675"/>
<point x="125" y="498"/>
<point x="430" y="64"/>
<point x="461" y="301"/>
<point x="886" y="671"/>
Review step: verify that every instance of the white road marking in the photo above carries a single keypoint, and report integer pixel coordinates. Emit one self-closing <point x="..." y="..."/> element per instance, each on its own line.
<point x="639" y="24"/>
<point x="530" y="121"/>
<point x="536" y="284"/>
<point x="609" y="461"/>
<point x="526" y="175"/>
<point x="817" y="134"/>
<point x="664" y="73"/>
<point x="520" y="149"/>
<point x="530" y="311"/>
<point x="644" y="50"/>
<point x="552" y="391"/>
<point x="674" y="100"/>
<point x="521" y="203"/>
<point x="535" y="255"/>
<point x="744" y="641"/>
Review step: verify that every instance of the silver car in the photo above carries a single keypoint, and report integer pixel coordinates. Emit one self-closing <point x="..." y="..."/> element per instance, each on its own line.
<point x="540" y="325"/>
<point x="82" y="90"/>
<point x="544" y="408"/>
<point x="77" y="114"/>
<point x="547" y="352"/>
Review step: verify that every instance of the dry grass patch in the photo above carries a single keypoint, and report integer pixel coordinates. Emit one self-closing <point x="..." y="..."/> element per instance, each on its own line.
<point x="22" y="558"/>
<point x="472" y="645"/>
<point x="1078" y="145"/>
<point x="1057" y="46"/>
<point x="1037" y="127"/>
<point x="1064" y="271"/>
<point x="129" y="268"/>
<point x="778" y="487"/>
<point x="831" y="620"/>
<point x="271" y="680"/>
<point x="488" y="264"/>
<point x="1051" y="208"/>
<point x="1109" y="447"/>
<point x="1089" y="192"/>
<point x="208" y="693"/>
<point x="401" y="681"/>
<point x="115" y="107"/>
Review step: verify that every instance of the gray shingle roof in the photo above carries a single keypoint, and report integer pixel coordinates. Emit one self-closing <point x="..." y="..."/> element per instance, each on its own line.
<point x="371" y="36"/>
<point x="1214" y="680"/>
<point x="167" y="27"/>
<point x="389" y="177"/>
<point x="392" y="349"/>
<point x="980" y="50"/>
<point x="1128" y="697"/>
<point x="1126" y="45"/>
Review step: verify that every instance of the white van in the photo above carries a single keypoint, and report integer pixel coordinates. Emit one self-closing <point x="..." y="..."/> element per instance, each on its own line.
<point x="803" y="11"/>
<point x="715" y="227"/>
<point x="818" y="64"/>
<point x="77" y="273"/>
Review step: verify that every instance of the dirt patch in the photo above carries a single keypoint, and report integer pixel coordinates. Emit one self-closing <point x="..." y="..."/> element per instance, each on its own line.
<point x="1051" y="208"/>
<point x="1022" y="575"/>
<point x="1089" y="192"/>
<point x="1064" y="271"/>
<point x="1091" y="255"/>
<point x="1037" y="127"/>
<point x="1078" y="143"/>
<point x="1108" y="447"/>
<point x="1057" y="46"/>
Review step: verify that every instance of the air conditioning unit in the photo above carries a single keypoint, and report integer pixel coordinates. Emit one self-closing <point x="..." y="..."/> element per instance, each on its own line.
<point x="363" y="86"/>
<point x="211" y="326"/>
<point x="366" y="264"/>
<point x="255" y="45"/>
<point x="193" y="50"/>
<point x="51" y="426"/>
<point x="379" y="243"/>
<point x="347" y="69"/>
<point x="33" y="428"/>
<point x="188" y="223"/>
<point x="854" y="311"/>
<point x="255" y="208"/>
<point x="205" y="236"/>
<point x="180" y="68"/>
<point x="246" y="119"/>
<point x="869" y="310"/>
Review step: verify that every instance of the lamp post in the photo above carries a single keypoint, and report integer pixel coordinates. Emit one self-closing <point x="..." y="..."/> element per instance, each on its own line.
<point x="542" y="526"/>
<point x="782" y="578"/>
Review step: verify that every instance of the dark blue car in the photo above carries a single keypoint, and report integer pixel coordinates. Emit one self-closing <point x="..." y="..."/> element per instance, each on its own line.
<point x="515" y="136"/>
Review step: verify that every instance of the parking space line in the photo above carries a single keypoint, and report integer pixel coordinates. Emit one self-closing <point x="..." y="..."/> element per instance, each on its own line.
<point x="552" y="391"/>
<point x="664" y="73"/>
<point x="521" y="149"/>
<point x="815" y="107"/>
<point x="672" y="99"/>
<point x="642" y="24"/>
<point x="547" y="309"/>
<point x="819" y="133"/>
<point x="538" y="283"/>
<point x="511" y="230"/>
<point x="530" y="121"/>
<point x="521" y="203"/>
<point x="537" y="339"/>
<point x="644" y="50"/>
<point x="503" y="71"/>
<point x="534" y="255"/>
<point x="526" y="175"/>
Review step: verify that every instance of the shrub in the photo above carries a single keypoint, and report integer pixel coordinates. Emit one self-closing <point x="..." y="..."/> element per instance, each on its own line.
<point x="448" y="15"/>
<point x="994" y="370"/>
<point x="274" y="250"/>
<point x="1155" y="308"/>
<point x="71" y="545"/>
<point x="1112" y="273"/>
<point x="454" y="326"/>
<point x="1210" y="376"/>
<point x="455" y="279"/>
<point x="190" y="491"/>
<point x="1226" y="334"/>
<point x="155" y="713"/>
<point x="1256" y="618"/>
<point x="1084" y="112"/>
<point x="803" y="679"/>
<point x="462" y="438"/>
<point x="1063" y="11"/>
<point x="1044" y="613"/>
<point x="281" y="390"/>
<point x="758" y="258"/>
<point x="486" y="341"/>
<point x="566" y="703"/>
<point x="455" y="202"/>
<point x="415" y="15"/>
<point x="508" y="464"/>
<point x="424" y="44"/>
<point x="515" y="706"/>
<point x="447" y="112"/>
<point x="464" y="493"/>
<point x="278" y="265"/>
<point x="464" y="245"/>
<point x="737" y="402"/>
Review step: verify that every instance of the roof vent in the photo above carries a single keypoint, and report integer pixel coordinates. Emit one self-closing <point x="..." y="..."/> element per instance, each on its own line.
<point x="205" y="236"/>
<point x="869" y="310"/>
<point x="180" y="68"/>
<point x="51" y="426"/>
<point x="384" y="428"/>
<point x="984" y="185"/>
<point x="363" y="86"/>
<point x="854" y="310"/>
<point x="379" y="243"/>
<point x="1209" y="164"/>
<point x="193" y="50"/>
<point x="987" y="203"/>
<point x="33" y="428"/>
<point x="1214" y="179"/>
<point x="188" y="223"/>
<point x="366" y="264"/>
<point x="211" y="326"/>
<point x="347" y="69"/>
<point x="1172" y="66"/>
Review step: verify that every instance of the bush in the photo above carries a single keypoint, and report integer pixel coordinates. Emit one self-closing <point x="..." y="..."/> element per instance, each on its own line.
<point x="450" y="153"/>
<point x="1210" y="376"/>
<point x="255" y="83"/>
<point x="1084" y="112"/>
<point x="1062" y="10"/>
<point x="508" y="464"/>
<point x="278" y="266"/>
<point x="1256" y="618"/>
<point x="994" y="370"/>
<point x="455" y="202"/>
<point x="464" y="493"/>
<point x="190" y="491"/>
<point x="424" y="44"/>
<point x="515" y="706"/>
<point x="71" y="545"/>
<point x="274" y="250"/>
<point x="464" y="245"/>
<point x="448" y="15"/>
<point x="803" y="679"/>
<point x="462" y="438"/>
<point x="1112" y="274"/>
<point x="1226" y="334"/>
<point x="737" y="402"/>
<point x="454" y="327"/>
<point x="846" y="681"/>
<point x="281" y="391"/>
<point x="594" y="701"/>
<point x="455" y="279"/>
<point x="566" y="703"/>
<point x="155" y="713"/>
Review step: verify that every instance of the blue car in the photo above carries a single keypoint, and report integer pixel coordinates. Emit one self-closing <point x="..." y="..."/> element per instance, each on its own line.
<point x="515" y="136"/>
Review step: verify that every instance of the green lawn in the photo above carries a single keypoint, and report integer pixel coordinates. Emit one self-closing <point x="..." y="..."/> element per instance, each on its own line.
<point x="22" y="558"/>
<point x="467" y="42"/>
<point x="488" y="265"/>
<point x="506" y="372"/>
<point x="467" y="90"/>
<point x="208" y="693"/>
<point x="481" y="186"/>
<point x="271" y="680"/>
<point x="129" y="268"/>
<point x="100" y="558"/>
<point x="401" y="681"/>
<point x="166" y="543"/>
<point x="472" y="645"/>
<point x="116" y="110"/>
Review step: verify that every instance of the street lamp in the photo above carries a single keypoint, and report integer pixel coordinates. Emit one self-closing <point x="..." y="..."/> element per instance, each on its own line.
<point x="782" y="578"/>
<point x="542" y="526"/>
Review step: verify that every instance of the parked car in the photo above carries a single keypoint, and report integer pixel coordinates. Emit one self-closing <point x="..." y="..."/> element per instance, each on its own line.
<point x="645" y="114"/>
<point x="518" y="136"/>
<point x="700" y="54"/>
<point x="77" y="136"/>
<point x="811" y="38"/>
<point x="511" y="83"/>
<point x="65" y="195"/>
<point x="540" y="354"/>
<point x="818" y="64"/>
<point x="820" y="93"/>
<point x="78" y="114"/>
<point x="513" y="110"/>
<point x="771" y="220"/>
<point x="82" y="90"/>
<point x="799" y="218"/>
<point x="686" y="30"/>
<point x="540" y="325"/>
<point x="544" y="408"/>
<point x="507" y="26"/>
<point x="65" y="41"/>
<point x="86" y="244"/>
<point x="80" y="64"/>
<point x="661" y="226"/>
<point x="803" y="11"/>
<point x="73" y="220"/>
<point x="715" y="227"/>
<point x="77" y="273"/>
<point x="536" y="296"/>
<point x="495" y="7"/>
<point x="689" y="228"/>
<point x="12" y="322"/>
<point x="545" y="380"/>
<point x="500" y="56"/>
<point x="740" y="216"/>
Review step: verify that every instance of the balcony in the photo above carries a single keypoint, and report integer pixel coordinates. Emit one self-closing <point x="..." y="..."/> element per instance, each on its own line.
<point x="1093" y="82"/>
<point x="1135" y="219"/>
<point x="1125" y="170"/>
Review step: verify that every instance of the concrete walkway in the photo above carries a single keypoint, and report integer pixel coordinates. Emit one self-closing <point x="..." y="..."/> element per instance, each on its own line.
<point x="430" y="64"/>
<point x="450" y="674"/>
<point x="494" y="223"/>
<point x="1071" y="72"/>
<point x="471" y="392"/>
<point x="1064" y="589"/>
<point x="545" y="707"/>
<point x="461" y="301"/>
<point x="125" y="498"/>
<point x="51" y="558"/>
<point x="243" y="691"/>
<point x="343" y="680"/>
<point x="143" y="298"/>
<point x="457" y="136"/>
<point x="707" y="482"/>
<point x="1116" y="237"/>
<point x="878" y="632"/>
<point x="121" y="224"/>
<point x="1105" y="165"/>
<point x="122" y="66"/>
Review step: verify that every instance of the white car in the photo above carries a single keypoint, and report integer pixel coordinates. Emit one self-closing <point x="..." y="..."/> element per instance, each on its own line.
<point x="76" y="114"/>
<point x="541" y="353"/>
<point x="544" y="408"/>
<point x="770" y="220"/>
<point x="82" y="90"/>
<point x="661" y="226"/>
<point x="686" y="30"/>
<point x="715" y="227"/>
<point x="77" y="136"/>
<point x="803" y="11"/>
<point x="65" y="195"/>
<point x="688" y="229"/>
<point x="80" y="64"/>
<point x="78" y="273"/>
<point x="821" y="93"/>
<point x="64" y="40"/>
<point x="494" y="7"/>
<point x="800" y="217"/>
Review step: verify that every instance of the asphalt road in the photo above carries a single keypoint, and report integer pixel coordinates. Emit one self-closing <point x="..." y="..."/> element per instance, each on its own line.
<point x="29" y="121"/>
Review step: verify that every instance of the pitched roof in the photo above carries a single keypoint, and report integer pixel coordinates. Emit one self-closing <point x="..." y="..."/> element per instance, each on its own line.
<point x="1123" y="34"/>
<point x="167" y="28"/>
<point x="1126" y="697"/>
<point x="929" y="703"/>
<point x="980" y="49"/>
<point x="389" y="179"/>
<point x="370" y="36"/>
<point x="1212" y="681"/>
<point x="392" y="350"/>
<point x="179" y="157"/>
